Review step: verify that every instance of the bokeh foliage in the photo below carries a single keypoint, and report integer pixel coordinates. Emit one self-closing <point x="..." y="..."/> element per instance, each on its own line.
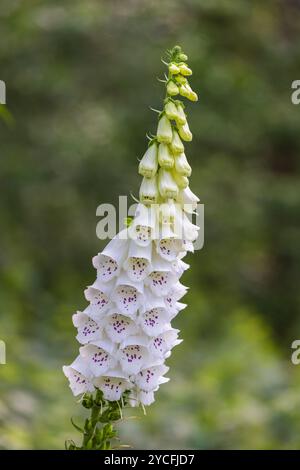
<point x="80" y="78"/>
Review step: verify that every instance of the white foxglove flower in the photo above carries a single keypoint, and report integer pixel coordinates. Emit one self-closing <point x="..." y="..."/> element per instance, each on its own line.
<point x="149" y="191"/>
<point x="164" y="130"/>
<point x="165" y="157"/>
<point x="176" y="144"/>
<point x="149" y="164"/>
<point x="126" y="331"/>
<point x="167" y="186"/>
<point x="182" y="166"/>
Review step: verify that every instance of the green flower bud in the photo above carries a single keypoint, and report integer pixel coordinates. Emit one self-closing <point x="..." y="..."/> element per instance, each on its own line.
<point x="176" y="145"/>
<point x="181" y="181"/>
<point x="180" y="79"/>
<point x="172" y="88"/>
<point x="148" y="164"/>
<point x="181" y="117"/>
<point x="185" y="133"/>
<point x="87" y="401"/>
<point x="166" y="184"/>
<point x="185" y="70"/>
<point x="164" y="130"/>
<point x="182" y="166"/>
<point x="183" y="57"/>
<point x="171" y="110"/>
<point x="192" y="96"/>
<point x="173" y="68"/>
<point x="149" y="191"/>
<point x="165" y="157"/>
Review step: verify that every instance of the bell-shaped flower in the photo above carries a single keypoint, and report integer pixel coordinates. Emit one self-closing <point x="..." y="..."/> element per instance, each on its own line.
<point x="141" y="397"/>
<point x="172" y="88"/>
<point x="161" y="345"/>
<point x="98" y="296"/>
<point x="133" y="354"/>
<point x="149" y="191"/>
<point x="185" y="133"/>
<point x="164" y="130"/>
<point x="179" y="267"/>
<point x="138" y="262"/>
<point x="165" y="157"/>
<point x="167" y="186"/>
<point x="109" y="262"/>
<point x="181" y="117"/>
<point x="161" y="279"/>
<point x="167" y="212"/>
<point x="88" y="329"/>
<point x="113" y="384"/>
<point x="118" y="327"/>
<point x="142" y="230"/>
<point x="151" y="377"/>
<point x="188" y="199"/>
<point x="79" y="376"/>
<point x="127" y="295"/>
<point x="173" y="296"/>
<point x="149" y="164"/>
<point x="176" y="144"/>
<point x="99" y="355"/>
<point x="154" y="321"/>
<point x="182" y="166"/>
<point x="184" y="226"/>
<point x="171" y="110"/>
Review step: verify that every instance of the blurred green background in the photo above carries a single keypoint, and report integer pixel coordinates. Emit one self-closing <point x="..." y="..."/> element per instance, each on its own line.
<point x="80" y="78"/>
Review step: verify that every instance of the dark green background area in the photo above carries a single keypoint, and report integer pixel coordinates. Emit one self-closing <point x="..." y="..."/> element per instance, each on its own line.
<point x="80" y="78"/>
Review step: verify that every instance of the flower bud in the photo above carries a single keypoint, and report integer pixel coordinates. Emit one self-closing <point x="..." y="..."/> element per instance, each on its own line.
<point x="185" y="133"/>
<point x="171" y="110"/>
<point x="184" y="91"/>
<point x="181" y="117"/>
<point x="166" y="184"/>
<point x="183" y="57"/>
<point x="176" y="145"/>
<point x="173" y="68"/>
<point x="181" y="181"/>
<point x="180" y="79"/>
<point x="148" y="191"/>
<point x="192" y="96"/>
<point x="167" y="212"/>
<point x="165" y="157"/>
<point x="148" y="164"/>
<point x="172" y="88"/>
<point x="164" y="130"/>
<point x="182" y="166"/>
<point x="185" y="70"/>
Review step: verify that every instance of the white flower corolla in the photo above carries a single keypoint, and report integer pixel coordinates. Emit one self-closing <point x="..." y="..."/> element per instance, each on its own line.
<point x="185" y="133"/>
<point x="88" y="329"/>
<point x="142" y="229"/>
<point x="138" y="262"/>
<point x="126" y="331"/>
<point x="113" y="384"/>
<point x="164" y="130"/>
<point x="149" y="191"/>
<point x="165" y="157"/>
<point x="182" y="166"/>
<point x="109" y="262"/>
<point x="149" y="164"/>
<point x="166" y="184"/>
<point x="181" y="117"/>
<point x="171" y="111"/>
<point x="79" y="376"/>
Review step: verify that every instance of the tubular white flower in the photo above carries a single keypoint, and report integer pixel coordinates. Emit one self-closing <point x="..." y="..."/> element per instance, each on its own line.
<point x="126" y="331"/>
<point x="149" y="164"/>
<point x="165" y="157"/>
<point x="167" y="186"/>
<point x="182" y="166"/>
<point x="164" y="130"/>
<point x="148" y="191"/>
<point x="176" y="144"/>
